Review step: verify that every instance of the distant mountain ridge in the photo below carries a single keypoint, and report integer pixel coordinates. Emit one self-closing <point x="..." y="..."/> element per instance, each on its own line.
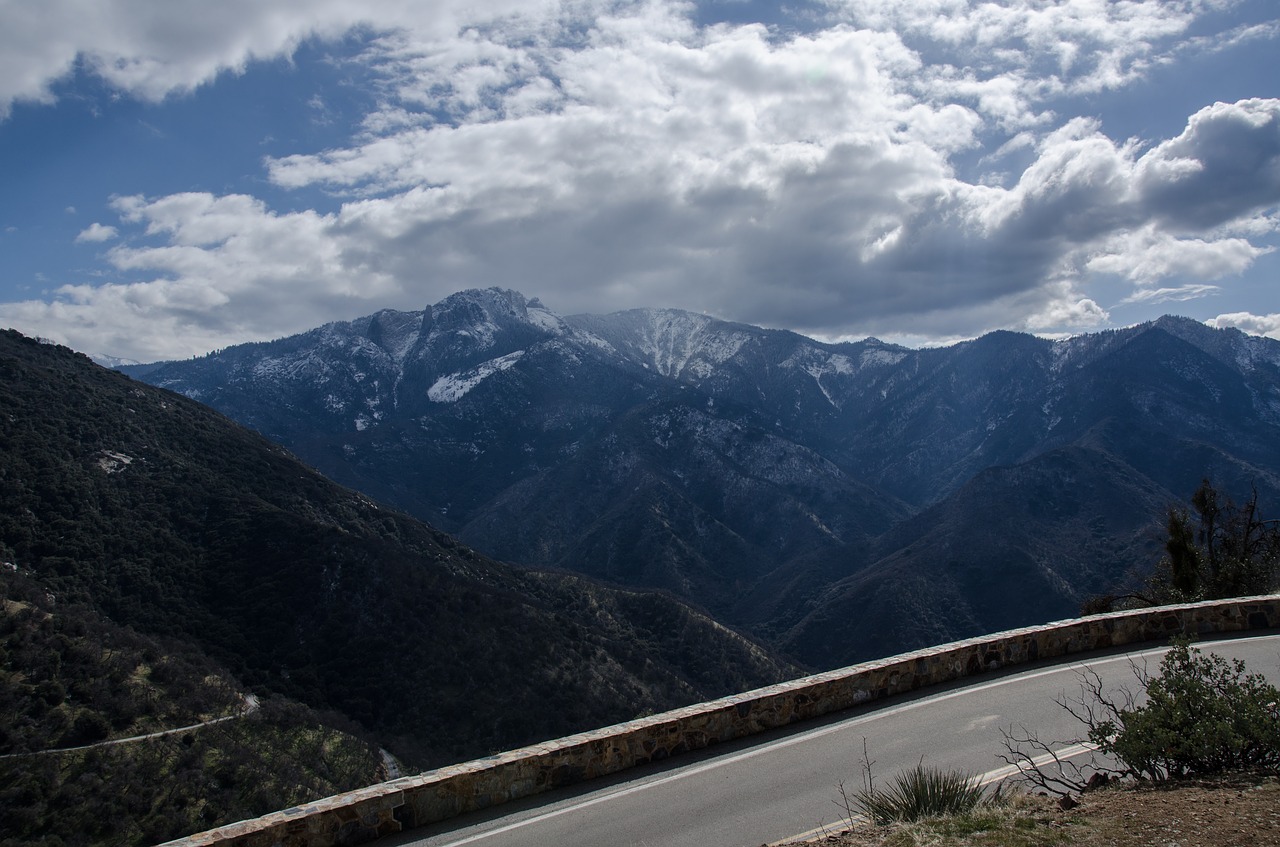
<point x="766" y="476"/>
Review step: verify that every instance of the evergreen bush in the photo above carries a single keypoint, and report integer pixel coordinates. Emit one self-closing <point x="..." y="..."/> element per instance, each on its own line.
<point x="1203" y="715"/>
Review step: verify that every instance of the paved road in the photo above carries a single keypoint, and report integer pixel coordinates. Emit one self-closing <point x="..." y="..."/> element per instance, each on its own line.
<point x="784" y="784"/>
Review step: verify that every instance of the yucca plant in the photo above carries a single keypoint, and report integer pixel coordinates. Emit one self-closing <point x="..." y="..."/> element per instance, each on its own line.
<point x="921" y="792"/>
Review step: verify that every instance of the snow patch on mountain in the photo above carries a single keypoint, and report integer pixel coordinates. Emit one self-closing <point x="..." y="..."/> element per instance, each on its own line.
<point x="112" y="362"/>
<point x="673" y="339"/>
<point x="481" y="334"/>
<point x="394" y="332"/>
<point x="399" y="347"/>
<point x="819" y="363"/>
<point x="336" y="351"/>
<point x="282" y="367"/>
<point x="452" y="388"/>
<point x="880" y="358"/>
<point x="1067" y="351"/>
<point x="546" y="319"/>
<point x="1255" y="351"/>
<point x="590" y="339"/>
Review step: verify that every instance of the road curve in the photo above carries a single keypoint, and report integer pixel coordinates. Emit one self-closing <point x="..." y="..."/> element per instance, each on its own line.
<point x="779" y="785"/>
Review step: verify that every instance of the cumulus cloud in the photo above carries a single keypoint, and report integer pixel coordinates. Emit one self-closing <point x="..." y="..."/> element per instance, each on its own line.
<point x="228" y="268"/>
<point x="1010" y="57"/>
<point x="151" y="50"/>
<point x="1224" y="165"/>
<point x="1268" y="325"/>
<point x="615" y="155"/>
<point x="1184" y="208"/>
<point x="97" y="232"/>
<point x="1148" y="255"/>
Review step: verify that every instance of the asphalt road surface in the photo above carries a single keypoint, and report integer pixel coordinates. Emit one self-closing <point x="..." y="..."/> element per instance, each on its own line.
<point x="780" y="785"/>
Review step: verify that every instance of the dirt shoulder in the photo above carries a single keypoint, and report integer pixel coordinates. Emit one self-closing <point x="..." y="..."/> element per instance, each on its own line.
<point x="1233" y="811"/>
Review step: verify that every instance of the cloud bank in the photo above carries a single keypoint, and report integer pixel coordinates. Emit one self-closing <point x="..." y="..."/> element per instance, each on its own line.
<point x="610" y="155"/>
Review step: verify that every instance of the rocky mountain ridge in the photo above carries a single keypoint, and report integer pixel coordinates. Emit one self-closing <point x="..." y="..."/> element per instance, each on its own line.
<point x="764" y="475"/>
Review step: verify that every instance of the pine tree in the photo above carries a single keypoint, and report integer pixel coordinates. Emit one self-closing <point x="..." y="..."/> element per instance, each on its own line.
<point x="1217" y="549"/>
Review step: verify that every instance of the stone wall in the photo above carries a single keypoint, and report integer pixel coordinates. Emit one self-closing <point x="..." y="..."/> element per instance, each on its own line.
<point x="412" y="801"/>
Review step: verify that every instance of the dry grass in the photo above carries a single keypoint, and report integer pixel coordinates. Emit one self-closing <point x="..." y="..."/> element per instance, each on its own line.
<point x="1234" y="811"/>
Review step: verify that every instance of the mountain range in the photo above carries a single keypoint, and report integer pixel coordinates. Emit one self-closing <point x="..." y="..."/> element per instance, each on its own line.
<point x="838" y="501"/>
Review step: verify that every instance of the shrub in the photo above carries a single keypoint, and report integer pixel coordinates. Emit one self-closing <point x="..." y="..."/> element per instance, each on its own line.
<point x="1203" y="715"/>
<point x="921" y="792"/>
<point x="89" y="727"/>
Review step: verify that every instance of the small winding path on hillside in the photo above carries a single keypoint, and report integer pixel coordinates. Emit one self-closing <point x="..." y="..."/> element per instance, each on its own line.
<point x="251" y="705"/>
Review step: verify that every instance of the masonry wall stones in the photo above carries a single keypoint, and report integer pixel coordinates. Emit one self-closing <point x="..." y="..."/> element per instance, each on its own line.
<point x="412" y="801"/>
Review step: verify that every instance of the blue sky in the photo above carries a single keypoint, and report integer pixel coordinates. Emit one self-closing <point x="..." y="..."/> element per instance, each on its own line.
<point x="182" y="176"/>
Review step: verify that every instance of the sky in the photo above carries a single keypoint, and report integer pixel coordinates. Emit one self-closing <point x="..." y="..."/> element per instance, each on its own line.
<point x="178" y="177"/>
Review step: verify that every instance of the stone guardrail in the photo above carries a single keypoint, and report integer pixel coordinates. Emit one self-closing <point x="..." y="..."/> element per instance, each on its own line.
<point x="412" y="801"/>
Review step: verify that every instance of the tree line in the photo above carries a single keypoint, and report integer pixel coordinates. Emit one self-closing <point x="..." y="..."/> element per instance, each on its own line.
<point x="1214" y="548"/>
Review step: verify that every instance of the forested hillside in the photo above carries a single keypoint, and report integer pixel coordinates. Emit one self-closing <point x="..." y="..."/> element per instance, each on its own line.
<point x="73" y="683"/>
<point x="167" y="518"/>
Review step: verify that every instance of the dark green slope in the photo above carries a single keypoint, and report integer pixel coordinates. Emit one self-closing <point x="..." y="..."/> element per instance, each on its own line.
<point x="170" y="519"/>
<point x="72" y="680"/>
<point x="1016" y="545"/>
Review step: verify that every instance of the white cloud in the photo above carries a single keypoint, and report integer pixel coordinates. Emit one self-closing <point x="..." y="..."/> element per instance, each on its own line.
<point x="97" y="232"/>
<point x="1065" y="309"/>
<point x="1008" y="58"/>
<point x="229" y="269"/>
<point x="1184" y="209"/>
<point x="1268" y="325"/>
<point x="1224" y="165"/>
<point x="613" y="155"/>
<point x="1176" y="294"/>
<point x="1148" y="255"/>
<point x="151" y="50"/>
